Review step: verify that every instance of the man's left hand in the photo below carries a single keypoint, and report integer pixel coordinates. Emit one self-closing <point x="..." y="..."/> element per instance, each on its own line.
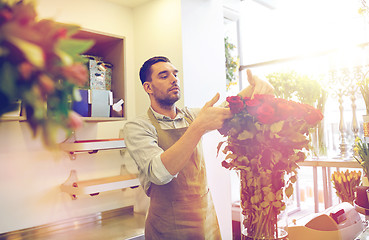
<point x="257" y="86"/>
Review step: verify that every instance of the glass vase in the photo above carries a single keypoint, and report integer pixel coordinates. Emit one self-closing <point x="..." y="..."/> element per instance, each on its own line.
<point x="264" y="215"/>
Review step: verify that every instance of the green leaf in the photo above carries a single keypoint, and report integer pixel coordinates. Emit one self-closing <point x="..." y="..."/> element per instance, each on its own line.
<point x="245" y="135"/>
<point x="8" y="80"/>
<point x="289" y="190"/>
<point x="64" y="57"/>
<point x="218" y="147"/>
<point x="32" y="52"/>
<point x="74" y="47"/>
<point x="293" y="179"/>
<point x="277" y="127"/>
<point x="297" y="137"/>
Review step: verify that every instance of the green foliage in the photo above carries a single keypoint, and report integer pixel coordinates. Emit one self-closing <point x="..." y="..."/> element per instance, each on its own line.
<point x="231" y="63"/>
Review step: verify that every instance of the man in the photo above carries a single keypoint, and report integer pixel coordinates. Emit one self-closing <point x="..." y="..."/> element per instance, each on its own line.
<point x="165" y="144"/>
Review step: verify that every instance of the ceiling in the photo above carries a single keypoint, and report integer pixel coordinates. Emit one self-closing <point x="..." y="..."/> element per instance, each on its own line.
<point x="129" y="3"/>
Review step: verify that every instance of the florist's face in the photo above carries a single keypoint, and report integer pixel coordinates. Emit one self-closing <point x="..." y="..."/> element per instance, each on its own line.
<point x="164" y="85"/>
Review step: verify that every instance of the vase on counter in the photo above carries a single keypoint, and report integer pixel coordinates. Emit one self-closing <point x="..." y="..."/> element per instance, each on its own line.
<point x="264" y="213"/>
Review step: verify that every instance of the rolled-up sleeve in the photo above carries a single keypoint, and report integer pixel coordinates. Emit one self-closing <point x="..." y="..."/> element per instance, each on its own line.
<point x="142" y="145"/>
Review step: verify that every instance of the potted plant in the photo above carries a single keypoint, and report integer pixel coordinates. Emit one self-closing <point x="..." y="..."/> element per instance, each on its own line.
<point x="41" y="66"/>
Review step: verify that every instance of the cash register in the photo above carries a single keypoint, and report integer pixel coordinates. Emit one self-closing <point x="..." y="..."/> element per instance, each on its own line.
<point x="340" y="222"/>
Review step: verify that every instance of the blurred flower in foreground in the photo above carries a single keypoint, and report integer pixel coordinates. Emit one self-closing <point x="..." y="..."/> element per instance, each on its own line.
<point x="41" y="66"/>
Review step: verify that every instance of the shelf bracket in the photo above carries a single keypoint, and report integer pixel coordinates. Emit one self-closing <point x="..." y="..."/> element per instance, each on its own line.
<point x="72" y="181"/>
<point x="73" y="155"/>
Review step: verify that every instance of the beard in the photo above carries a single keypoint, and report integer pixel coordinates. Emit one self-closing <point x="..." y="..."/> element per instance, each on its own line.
<point x="168" y="101"/>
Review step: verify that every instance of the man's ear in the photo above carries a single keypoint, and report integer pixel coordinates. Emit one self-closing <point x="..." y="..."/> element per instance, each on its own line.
<point x="147" y="87"/>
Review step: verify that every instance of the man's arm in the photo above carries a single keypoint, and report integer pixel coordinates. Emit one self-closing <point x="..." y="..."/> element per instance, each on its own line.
<point x="209" y="118"/>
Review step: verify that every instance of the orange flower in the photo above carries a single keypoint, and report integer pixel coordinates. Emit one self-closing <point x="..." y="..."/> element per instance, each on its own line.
<point x="74" y="120"/>
<point x="76" y="73"/>
<point x="25" y="69"/>
<point x="46" y="83"/>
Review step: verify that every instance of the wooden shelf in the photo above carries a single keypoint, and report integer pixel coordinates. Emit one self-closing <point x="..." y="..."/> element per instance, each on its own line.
<point x="91" y="146"/>
<point x="12" y="118"/>
<point x="93" y="187"/>
<point x="103" y="119"/>
<point x="111" y="48"/>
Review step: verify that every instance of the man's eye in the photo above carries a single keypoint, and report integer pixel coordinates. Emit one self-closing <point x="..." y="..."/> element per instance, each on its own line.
<point x="164" y="76"/>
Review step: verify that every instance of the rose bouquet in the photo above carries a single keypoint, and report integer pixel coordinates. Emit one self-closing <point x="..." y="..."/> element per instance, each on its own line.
<point x="41" y="66"/>
<point x="266" y="139"/>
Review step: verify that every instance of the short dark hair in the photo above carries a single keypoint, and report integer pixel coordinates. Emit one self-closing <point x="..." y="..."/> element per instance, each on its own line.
<point x="145" y="71"/>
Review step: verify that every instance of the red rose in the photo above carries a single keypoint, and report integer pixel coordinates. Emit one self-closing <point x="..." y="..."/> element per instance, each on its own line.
<point x="266" y="114"/>
<point x="264" y="97"/>
<point x="313" y="115"/>
<point x="252" y="105"/>
<point x="284" y="108"/>
<point x="299" y="111"/>
<point x="74" y="120"/>
<point x="60" y="33"/>
<point x="235" y="104"/>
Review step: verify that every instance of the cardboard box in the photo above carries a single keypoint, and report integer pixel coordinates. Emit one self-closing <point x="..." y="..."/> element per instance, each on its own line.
<point x="101" y="100"/>
<point x="83" y="107"/>
<point x="100" y="73"/>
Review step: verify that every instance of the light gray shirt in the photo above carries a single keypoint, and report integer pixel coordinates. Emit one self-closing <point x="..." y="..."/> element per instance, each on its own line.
<point x="141" y="139"/>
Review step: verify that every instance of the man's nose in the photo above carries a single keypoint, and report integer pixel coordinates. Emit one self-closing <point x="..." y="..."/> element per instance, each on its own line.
<point x="174" y="78"/>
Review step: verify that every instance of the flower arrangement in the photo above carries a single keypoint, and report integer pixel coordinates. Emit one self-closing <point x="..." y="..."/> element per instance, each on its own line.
<point x="41" y="66"/>
<point x="345" y="184"/>
<point x="361" y="154"/>
<point x="294" y="86"/>
<point x="266" y="139"/>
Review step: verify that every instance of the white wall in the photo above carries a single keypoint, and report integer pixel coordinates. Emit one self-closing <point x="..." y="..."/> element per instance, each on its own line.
<point x="158" y="32"/>
<point x="204" y="75"/>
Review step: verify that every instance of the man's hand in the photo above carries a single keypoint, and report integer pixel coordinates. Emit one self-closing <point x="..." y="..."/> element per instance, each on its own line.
<point x="210" y="117"/>
<point x="257" y="86"/>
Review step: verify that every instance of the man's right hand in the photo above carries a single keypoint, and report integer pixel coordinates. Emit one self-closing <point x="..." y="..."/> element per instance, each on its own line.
<point x="210" y="117"/>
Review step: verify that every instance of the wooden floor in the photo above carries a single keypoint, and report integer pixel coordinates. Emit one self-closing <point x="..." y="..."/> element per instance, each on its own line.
<point x="98" y="227"/>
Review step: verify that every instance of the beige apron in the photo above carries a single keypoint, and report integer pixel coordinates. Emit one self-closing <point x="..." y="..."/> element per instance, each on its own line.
<point x="182" y="208"/>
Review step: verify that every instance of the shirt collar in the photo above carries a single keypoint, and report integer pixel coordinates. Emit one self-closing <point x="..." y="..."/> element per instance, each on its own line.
<point x="179" y="116"/>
